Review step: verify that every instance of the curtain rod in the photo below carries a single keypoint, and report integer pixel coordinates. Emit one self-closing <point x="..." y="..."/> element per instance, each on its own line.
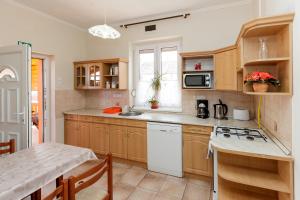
<point x="154" y="20"/>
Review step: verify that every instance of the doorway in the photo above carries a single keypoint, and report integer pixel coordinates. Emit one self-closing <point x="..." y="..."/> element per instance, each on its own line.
<point x="37" y="100"/>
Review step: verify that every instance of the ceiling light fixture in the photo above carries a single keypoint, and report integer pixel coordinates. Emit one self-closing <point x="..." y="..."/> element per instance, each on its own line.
<point x="104" y="31"/>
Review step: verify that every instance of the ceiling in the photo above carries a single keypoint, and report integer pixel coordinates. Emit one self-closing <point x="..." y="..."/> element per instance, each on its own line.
<point x="86" y="13"/>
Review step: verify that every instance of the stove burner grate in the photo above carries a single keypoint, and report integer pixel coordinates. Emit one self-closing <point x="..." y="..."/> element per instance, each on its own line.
<point x="249" y="134"/>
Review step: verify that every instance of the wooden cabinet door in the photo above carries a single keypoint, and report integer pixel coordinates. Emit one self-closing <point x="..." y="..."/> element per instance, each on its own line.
<point x="137" y="144"/>
<point x="118" y="141"/>
<point x="225" y="70"/>
<point x="71" y="132"/>
<point x="195" y="154"/>
<point x="84" y="134"/>
<point x="99" y="138"/>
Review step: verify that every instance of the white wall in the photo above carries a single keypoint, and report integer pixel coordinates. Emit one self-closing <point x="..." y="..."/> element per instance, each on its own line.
<point x="275" y="7"/>
<point x="47" y="35"/>
<point x="206" y="29"/>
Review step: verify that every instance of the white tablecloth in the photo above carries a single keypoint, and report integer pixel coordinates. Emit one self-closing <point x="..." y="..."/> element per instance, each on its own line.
<point x="26" y="171"/>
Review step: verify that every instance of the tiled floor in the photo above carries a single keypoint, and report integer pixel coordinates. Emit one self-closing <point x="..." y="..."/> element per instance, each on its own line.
<point x="135" y="183"/>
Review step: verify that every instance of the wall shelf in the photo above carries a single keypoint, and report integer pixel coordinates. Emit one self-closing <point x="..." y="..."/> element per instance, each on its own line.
<point x="253" y="177"/>
<point x="269" y="61"/>
<point x="268" y="93"/>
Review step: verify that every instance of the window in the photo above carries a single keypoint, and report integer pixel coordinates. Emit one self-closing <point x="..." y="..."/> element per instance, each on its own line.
<point x="161" y="58"/>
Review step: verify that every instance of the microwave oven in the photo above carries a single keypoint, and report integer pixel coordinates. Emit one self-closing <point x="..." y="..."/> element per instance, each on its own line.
<point x="201" y="80"/>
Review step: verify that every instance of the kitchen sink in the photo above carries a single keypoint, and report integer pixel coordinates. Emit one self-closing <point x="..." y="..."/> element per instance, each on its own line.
<point x="131" y="113"/>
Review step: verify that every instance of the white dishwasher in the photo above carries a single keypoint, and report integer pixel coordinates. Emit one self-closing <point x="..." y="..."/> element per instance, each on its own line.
<point x="164" y="144"/>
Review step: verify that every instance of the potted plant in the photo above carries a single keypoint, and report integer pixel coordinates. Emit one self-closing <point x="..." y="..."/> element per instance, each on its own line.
<point x="156" y="86"/>
<point x="154" y="103"/>
<point x="261" y="80"/>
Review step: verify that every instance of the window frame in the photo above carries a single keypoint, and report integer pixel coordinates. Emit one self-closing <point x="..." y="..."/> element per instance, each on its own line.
<point x="157" y="46"/>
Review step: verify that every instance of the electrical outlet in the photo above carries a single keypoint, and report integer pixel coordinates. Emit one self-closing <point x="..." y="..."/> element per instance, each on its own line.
<point x="275" y="126"/>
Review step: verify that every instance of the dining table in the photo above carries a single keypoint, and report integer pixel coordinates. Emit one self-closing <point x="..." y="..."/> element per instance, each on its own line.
<point x="25" y="172"/>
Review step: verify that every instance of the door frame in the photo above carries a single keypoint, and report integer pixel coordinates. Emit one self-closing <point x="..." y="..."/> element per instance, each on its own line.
<point x="49" y="84"/>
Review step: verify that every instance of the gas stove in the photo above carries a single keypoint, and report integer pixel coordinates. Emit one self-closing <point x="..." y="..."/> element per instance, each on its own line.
<point x="251" y="135"/>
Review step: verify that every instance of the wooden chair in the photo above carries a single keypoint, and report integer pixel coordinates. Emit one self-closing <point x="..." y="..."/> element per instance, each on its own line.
<point x="93" y="174"/>
<point x="60" y="191"/>
<point x="10" y="147"/>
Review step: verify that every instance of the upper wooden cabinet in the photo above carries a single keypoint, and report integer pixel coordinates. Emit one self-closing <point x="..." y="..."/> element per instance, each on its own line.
<point x="233" y="63"/>
<point x="226" y="65"/>
<point x="101" y="74"/>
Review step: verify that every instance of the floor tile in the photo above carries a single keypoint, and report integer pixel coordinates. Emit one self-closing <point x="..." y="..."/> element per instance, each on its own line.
<point x="122" y="191"/>
<point x="153" y="181"/>
<point x="196" y="192"/>
<point x="200" y="182"/>
<point x="165" y="197"/>
<point x="142" y="194"/>
<point x="133" y="176"/>
<point x="173" y="187"/>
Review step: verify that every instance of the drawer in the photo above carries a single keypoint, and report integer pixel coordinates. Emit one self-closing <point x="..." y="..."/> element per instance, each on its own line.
<point x="137" y="123"/>
<point x="197" y="129"/>
<point x="85" y="118"/>
<point x="122" y="122"/>
<point x="99" y="119"/>
<point x="71" y="117"/>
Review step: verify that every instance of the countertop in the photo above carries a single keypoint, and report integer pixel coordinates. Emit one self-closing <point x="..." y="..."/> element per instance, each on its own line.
<point x="168" y="118"/>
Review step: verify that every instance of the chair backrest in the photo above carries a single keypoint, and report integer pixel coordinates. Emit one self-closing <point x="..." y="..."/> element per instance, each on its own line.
<point x="86" y="179"/>
<point x="10" y="147"/>
<point x="60" y="191"/>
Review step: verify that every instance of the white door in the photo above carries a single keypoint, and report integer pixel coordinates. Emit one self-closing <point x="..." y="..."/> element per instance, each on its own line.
<point x="14" y="96"/>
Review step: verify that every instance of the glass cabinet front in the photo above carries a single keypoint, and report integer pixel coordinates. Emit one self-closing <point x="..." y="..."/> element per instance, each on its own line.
<point x="80" y="78"/>
<point x="94" y="75"/>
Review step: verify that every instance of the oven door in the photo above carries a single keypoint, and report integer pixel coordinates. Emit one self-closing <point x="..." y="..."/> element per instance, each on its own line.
<point x="202" y="80"/>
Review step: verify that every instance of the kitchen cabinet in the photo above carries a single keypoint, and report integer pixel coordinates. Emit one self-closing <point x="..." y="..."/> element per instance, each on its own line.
<point x="127" y="139"/>
<point x="101" y="74"/>
<point x="118" y="141"/>
<point x="99" y="138"/>
<point x="71" y="132"/>
<point x="226" y="70"/>
<point x="137" y="144"/>
<point x="195" y="154"/>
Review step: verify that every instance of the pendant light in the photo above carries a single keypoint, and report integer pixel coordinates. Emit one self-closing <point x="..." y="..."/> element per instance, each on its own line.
<point x="104" y="31"/>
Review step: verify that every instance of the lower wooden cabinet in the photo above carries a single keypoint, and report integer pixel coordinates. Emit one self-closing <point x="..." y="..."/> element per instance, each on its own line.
<point x="84" y="134"/>
<point x="195" y="154"/>
<point x="129" y="141"/>
<point x="137" y="144"/>
<point x="99" y="138"/>
<point x="71" y="132"/>
<point x="118" y="141"/>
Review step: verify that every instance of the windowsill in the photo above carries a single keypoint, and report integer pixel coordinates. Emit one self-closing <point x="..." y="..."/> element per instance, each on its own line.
<point x="148" y="109"/>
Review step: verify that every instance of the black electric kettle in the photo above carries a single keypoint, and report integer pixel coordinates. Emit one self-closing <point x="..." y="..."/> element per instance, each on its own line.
<point x="220" y="110"/>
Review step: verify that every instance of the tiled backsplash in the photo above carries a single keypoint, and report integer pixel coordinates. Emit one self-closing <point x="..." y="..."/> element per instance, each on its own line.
<point x="66" y="100"/>
<point x="102" y="99"/>
<point x="231" y="99"/>
<point x="276" y="117"/>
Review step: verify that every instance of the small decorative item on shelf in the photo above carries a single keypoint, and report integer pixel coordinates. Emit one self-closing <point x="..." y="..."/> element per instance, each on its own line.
<point x="260" y="81"/>
<point x="154" y="103"/>
<point x="198" y="66"/>
<point x="263" y="49"/>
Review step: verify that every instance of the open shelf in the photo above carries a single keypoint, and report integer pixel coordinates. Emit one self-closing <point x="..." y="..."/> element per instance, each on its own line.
<point x="253" y="177"/>
<point x="268" y="93"/>
<point x="231" y="191"/>
<point x="268" y="61"/>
